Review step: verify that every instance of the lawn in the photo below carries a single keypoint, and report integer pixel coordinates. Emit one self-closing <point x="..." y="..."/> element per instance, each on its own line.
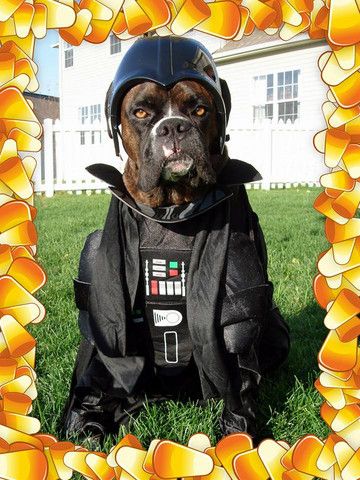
<point x="288" y="405"/>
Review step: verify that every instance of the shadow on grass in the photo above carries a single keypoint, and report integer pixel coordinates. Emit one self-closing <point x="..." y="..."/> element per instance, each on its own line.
<point x="288" y="395"/>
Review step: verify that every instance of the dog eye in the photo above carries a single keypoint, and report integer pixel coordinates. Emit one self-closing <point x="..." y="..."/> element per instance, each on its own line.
<point x="200" y="111"/>
<point x="140" y="113"/>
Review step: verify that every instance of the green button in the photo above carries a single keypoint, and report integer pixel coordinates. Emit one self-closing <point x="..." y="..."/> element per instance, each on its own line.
<point x="173" y="264"/>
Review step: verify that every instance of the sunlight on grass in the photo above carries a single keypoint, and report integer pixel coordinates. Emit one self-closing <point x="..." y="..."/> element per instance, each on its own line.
<point x="288" y="404"/>
<point x="300" y="410"/>
<point x="176" y="421"/>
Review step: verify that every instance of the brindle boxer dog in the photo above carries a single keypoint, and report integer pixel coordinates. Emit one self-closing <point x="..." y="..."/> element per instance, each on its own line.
<point x="170" y="137"/>
<point x="213" y="266"/>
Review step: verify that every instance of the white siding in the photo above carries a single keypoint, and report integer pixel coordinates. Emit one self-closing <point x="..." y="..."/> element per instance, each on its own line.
<point x="87" y="81"/>
<point x="290" y="160"/>
<point x="94" y="67"/>
<point x="239" y="75"/>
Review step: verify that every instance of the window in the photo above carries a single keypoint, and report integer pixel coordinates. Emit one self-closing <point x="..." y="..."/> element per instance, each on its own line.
<point x="264" y="94"/>
<point x="275" y="96"/>
<point x="69" y="55"/>
<point x="115" y="44"/>
<point x="90" y="113"/>
<point x="95" y="116"/>
<point x="288" y="89"/>
<point x="83" y="114"/>
<point x="95" y="113"/>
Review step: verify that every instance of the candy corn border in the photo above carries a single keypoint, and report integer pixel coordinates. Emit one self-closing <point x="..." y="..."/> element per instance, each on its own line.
<point x="27" y="454"/>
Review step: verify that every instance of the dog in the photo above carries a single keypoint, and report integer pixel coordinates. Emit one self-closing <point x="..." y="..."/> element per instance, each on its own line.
<point x="174" y="297"/>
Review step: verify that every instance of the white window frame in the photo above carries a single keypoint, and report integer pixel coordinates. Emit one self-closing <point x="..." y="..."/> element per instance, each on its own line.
<point x="275" y="92"/>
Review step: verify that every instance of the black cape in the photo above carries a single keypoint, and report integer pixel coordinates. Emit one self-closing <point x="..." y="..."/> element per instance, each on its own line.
<point x="233" y="323"/>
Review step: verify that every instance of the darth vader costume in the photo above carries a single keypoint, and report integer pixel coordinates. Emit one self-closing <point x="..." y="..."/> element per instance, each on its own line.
<point x="174" y="302"/>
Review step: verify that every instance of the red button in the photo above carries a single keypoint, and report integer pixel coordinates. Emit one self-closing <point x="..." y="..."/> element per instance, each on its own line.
<point x="154" y="287"/>
<point x="173" y="273"/>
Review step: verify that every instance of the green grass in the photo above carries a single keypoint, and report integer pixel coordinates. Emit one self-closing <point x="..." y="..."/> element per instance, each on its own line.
<point x="288" y="404"/>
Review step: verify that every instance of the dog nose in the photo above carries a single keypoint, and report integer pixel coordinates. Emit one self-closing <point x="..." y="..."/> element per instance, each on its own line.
<point x="175" y="126"/>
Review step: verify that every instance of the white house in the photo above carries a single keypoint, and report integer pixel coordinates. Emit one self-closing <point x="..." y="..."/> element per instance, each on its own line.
<point x="276" y="93"/>
<point x="280" y="82"/>
<point x="86" y="72"/>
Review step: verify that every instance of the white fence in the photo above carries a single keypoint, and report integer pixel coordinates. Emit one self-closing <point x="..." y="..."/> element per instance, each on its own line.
<point x="67" y="150"/>
<point x="283" y="154"/>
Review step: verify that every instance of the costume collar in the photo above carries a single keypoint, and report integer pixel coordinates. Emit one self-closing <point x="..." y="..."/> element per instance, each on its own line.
<point x="235" y="172"/>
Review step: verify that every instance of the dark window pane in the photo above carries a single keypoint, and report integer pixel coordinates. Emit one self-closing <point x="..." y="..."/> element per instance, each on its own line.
<point x="270" y="95"/>
<point x="288" y="111"/>
<point x="296" y="76"/>
<point x="288" y="91"/>
<point x="69" y="58"/>
<point x="280" y="93"/>
<point x="115" y="44"/>
<point x="295" y="91"/>
<point x="288" y="78"/>
<point x="281" y="78"/>
<point x="269" y="110"/>
<point x="84" y="114"/>
<point x="270" y="80"/>
<point x="95" y="113"/>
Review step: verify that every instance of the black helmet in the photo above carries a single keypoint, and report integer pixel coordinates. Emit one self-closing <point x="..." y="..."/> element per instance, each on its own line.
<point x="166" y="61"/>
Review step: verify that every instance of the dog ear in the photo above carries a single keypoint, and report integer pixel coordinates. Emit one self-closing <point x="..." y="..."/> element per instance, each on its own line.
<point x="225" y="93"/>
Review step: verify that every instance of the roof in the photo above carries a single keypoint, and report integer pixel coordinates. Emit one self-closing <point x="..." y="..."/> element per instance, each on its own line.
<point x="256" y="38"/>
<point x="260" y="43"/>
<point x="41" y="95"/>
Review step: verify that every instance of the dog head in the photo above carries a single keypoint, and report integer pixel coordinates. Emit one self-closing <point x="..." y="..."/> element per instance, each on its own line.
<point x="169" y="102"/>
<point x="170" y="137"/>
